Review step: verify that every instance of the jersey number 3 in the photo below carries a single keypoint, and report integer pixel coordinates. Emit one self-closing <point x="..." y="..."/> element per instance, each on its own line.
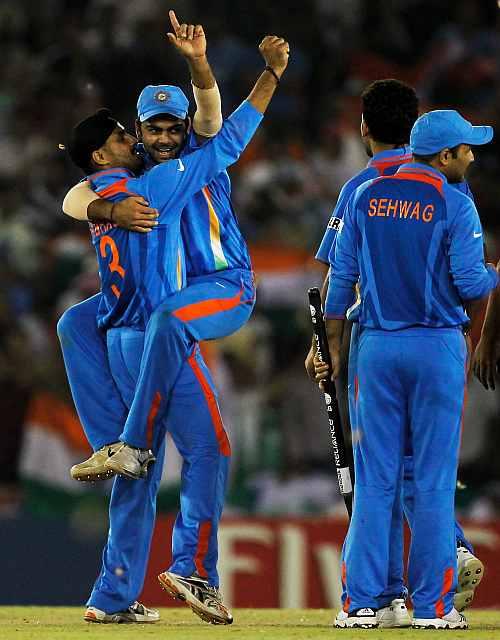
<point x="114" y="264"/>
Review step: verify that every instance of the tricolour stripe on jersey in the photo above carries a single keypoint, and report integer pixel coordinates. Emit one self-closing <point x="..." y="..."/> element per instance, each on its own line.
<point x="179" y="269"/>
<point x="215" y="243"/>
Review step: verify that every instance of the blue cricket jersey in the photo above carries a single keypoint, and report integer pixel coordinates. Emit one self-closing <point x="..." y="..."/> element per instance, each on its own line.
<point x="382" y="164"/>
<point x="138" y="271"/>
<point x="209" y="226"/>
<point x="415" y="243"/>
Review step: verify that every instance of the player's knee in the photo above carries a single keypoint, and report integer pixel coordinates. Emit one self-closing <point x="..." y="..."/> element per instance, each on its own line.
<point x="67" y="324"/>
<point x="163" y="323"/>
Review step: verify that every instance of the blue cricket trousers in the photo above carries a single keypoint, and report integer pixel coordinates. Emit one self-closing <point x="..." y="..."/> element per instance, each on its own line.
<point x="196" y="427"/>
<point x="410" y="394"/>
<point x="210" y="307"/>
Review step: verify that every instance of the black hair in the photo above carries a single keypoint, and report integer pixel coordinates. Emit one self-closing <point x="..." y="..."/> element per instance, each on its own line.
<point x="429" y="158"/>
<point x="390" y="108"/>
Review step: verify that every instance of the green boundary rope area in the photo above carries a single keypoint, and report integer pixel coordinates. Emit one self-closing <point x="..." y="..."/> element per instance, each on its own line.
<point x="65" y="623"/>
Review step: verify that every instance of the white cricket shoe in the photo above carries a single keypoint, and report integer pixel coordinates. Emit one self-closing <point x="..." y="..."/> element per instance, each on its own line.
<point x="452" y="620"/>
<point x="394" y="615"/>
<point x="137" y="612"/>
<point x="470" y="572"/>
<point x="205" y="601"/>
<point x="362" y="618"/>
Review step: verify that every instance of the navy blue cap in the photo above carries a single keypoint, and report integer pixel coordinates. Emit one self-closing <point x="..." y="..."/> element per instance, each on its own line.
<point x="161" y="99"/>
<point x="89" y="135"/>
<point x="445" y="129"/>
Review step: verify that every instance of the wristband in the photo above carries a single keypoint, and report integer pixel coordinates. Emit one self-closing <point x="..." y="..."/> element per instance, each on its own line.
<point x="273" y="72"/>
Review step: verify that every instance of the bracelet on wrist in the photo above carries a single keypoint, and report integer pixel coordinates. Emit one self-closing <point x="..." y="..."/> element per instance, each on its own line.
<point x="272" y="72"/>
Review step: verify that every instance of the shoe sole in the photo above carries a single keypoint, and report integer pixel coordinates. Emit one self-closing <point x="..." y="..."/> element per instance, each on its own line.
<point x="356" y="625"/>
<point x="93" y="477"/>
<point x="468" y="579"/>
<point x="91" y="617"/>
<point x="179" y="592"/>
<point x="450" y="625"/>
<point x="470" y="575"/>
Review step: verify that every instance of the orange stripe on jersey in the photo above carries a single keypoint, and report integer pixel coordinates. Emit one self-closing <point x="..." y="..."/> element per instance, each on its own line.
<point x="213" y="408"/>
<point x="117" y="187"/>
<point x="447" y="584"/>
<point x="153" y="412"/>
<point x="207" y="307"/>
<point x="204" y="532"/>
<point x="383" y="165"/>
<point x="435" y="181"/>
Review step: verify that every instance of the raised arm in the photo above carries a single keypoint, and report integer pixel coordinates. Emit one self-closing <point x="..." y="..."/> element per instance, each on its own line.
<point x="182" y="178"/>
<point x="190" y="41"/>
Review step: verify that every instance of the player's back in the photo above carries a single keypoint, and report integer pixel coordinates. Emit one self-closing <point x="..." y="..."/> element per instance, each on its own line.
<point x="138" y="271"/>
<point x="404" y="226"/>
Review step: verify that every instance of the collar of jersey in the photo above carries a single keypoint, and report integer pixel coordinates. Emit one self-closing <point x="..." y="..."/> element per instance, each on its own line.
<point x="418" y="167"/>
<point x="390" y="154"/>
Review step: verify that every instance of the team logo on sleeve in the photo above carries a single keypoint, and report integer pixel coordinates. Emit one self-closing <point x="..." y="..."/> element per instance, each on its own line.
<point x="336" y="224"/>
<point x="162" y="96"/>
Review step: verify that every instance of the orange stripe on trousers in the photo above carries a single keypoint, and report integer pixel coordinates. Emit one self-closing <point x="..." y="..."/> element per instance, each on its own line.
<point x="155" y="406"/>
<point x="447" y="584"/>
<point x="222" y="439"/>
<point x="347" y="602"/>
<point x="207" y="307"/>
<point x="202" y="548"/>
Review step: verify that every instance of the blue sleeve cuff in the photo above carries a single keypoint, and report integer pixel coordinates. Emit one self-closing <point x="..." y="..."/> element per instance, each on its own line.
<point x="495" y="277"/>
<point x="341" y="295"/>
<point x="249" y="111"/>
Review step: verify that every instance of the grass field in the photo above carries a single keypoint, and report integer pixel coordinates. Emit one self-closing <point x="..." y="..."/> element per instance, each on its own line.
<point x="58" y="623"/>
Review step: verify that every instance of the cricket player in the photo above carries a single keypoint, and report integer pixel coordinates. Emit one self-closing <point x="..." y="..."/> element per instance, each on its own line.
<point x="220" y="295"/>
<point x="415" y="245"/>
<point x="221" y="292"/>
<point x="389" y="110"/>
<point x="139" y="271"/>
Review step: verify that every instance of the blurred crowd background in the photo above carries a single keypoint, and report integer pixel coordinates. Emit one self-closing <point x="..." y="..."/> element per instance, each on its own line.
<point x="62" y="59"/>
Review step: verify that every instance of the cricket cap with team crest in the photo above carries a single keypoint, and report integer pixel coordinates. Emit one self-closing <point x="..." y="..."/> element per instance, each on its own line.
<point x="162" y="99"/>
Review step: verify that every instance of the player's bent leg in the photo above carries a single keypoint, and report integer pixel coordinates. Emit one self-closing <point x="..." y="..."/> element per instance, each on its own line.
<point x="198" y="432"/>
<point x="210" y="307"/>
<point x="98" y="402"/>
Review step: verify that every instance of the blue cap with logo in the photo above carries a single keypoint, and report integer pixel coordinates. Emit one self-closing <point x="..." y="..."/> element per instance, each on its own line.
<point x="445" y="129"/>
<point x="161" y="99"/>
